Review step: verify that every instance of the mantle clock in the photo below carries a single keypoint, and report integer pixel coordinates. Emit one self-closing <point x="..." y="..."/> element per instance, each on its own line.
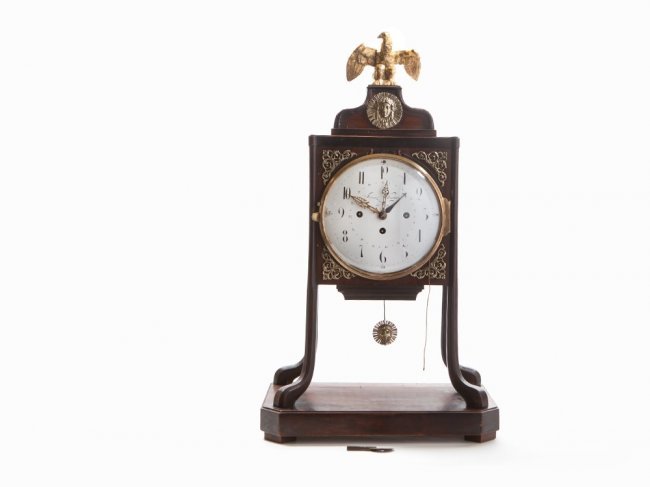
<point x="383" y="223"/>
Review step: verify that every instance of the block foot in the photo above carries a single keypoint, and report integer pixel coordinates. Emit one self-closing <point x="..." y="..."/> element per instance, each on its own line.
<point x="481" y="438"/>
<point x="279" y="439"/>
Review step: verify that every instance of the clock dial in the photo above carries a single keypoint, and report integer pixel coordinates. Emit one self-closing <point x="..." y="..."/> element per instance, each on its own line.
<point x="381" y="216"/>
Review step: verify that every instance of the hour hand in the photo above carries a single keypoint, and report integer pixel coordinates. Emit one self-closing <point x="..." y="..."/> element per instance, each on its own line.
<point x="364" y="203"/>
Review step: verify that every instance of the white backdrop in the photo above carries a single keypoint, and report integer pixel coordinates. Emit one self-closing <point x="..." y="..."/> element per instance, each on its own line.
<point x="153" y="237"/>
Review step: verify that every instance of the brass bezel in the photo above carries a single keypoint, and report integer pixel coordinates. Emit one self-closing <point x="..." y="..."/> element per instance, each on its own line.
<point x="445" y="207"/>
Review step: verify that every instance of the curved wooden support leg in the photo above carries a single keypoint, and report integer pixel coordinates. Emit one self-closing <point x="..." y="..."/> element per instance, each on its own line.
<point x="443" y="326"/>
<point x="286" y="396"/>
<point x="475" y="396"/>
<point x="472" y="376"/>
<point x="286" y="375"/>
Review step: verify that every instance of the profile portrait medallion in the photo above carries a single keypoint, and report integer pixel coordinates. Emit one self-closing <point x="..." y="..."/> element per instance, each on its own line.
<point x="384" y="110"/>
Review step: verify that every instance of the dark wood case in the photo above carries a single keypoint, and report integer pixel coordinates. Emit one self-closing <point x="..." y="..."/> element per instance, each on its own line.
<point x="423" y="410"/>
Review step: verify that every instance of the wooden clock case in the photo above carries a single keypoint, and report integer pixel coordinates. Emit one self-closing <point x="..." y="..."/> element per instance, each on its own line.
<point x="295" y="408"/>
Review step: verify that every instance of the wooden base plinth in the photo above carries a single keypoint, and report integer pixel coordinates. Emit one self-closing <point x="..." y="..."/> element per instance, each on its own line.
<point x="387" y="410"/>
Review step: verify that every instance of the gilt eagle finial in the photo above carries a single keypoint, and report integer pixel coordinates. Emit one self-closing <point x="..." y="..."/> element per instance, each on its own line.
<point x="383" y="60"/>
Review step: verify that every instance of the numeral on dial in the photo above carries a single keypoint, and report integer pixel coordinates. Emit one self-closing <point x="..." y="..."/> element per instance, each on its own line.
<point x="345" y="235"/>
<point x="362" y="177"/>
<point x="382" y="258"/>
<point x="346" y="193"/>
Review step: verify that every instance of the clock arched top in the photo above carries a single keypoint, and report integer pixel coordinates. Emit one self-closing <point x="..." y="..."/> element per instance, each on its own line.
<point x="384" y="114"/>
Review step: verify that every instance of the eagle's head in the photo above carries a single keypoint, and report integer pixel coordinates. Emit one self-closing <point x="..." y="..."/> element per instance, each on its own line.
<point x="386" y="42"/>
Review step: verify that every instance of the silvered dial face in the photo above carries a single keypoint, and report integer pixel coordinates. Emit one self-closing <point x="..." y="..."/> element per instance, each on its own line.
<point x="381" y="216"/>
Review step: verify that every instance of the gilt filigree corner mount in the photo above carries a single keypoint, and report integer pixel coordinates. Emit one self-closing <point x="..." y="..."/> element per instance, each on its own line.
<point x="437" y="160"/>
<point x="436" y="268"/>
<point x="332" y="270"/>
<point x="332" y="159"/>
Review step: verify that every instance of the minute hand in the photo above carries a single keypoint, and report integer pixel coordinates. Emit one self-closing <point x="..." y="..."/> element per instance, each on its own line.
<point x="387" y="210"/>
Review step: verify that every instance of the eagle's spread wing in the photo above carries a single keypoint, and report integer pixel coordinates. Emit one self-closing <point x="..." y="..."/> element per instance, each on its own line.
<point x="362" y="56"/>
<point x="410" y="60"/>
